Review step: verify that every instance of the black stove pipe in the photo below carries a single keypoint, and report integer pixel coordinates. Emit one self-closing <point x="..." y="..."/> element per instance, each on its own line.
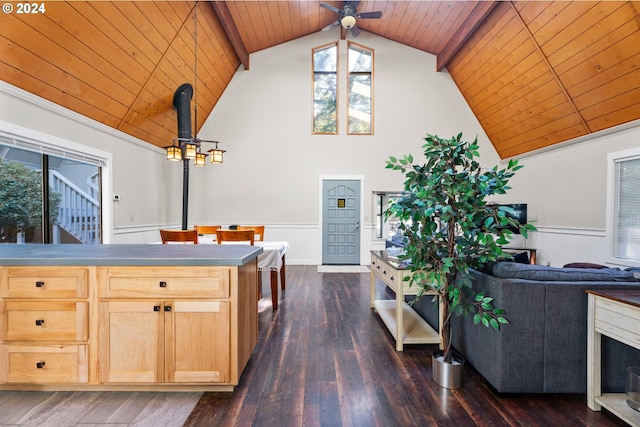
<point x="182" y="104"/>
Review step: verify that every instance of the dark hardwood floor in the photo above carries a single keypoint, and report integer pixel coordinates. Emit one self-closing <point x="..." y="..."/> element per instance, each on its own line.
<point x="325" y="359"/>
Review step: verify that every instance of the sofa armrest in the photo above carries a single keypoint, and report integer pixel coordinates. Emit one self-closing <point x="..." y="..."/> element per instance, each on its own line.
<point x="565" y="354"/>
<point x="511" y="358"/>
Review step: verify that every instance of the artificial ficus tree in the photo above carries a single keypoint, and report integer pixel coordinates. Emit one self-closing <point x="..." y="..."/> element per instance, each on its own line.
<point x="450" y="226"/>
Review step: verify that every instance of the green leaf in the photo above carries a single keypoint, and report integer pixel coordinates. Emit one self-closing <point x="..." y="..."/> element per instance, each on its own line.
<point x="494" y="324"/>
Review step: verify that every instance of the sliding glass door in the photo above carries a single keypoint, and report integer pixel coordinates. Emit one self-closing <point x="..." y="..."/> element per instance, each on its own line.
<point x="48" y="199"/>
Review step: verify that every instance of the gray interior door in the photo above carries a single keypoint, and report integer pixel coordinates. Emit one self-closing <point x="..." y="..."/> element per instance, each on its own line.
<point x="341" y="222"/>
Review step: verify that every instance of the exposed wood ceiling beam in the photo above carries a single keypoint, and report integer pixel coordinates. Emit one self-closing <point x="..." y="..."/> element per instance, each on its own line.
<point x="481" y="10"/>
<point x="222" y="10"/>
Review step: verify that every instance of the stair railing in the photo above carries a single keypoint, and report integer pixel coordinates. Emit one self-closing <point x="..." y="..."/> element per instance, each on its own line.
<point x="78" y="212"/>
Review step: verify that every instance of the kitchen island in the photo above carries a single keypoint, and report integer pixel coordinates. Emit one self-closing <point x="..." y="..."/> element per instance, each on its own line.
<point x="127" y="317"/>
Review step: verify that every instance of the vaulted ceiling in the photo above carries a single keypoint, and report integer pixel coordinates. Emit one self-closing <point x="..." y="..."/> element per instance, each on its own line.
<point x="534" y="73"/>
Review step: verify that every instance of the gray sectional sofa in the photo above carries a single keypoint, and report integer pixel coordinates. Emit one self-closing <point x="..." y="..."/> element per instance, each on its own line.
<point x="543" y="348"/>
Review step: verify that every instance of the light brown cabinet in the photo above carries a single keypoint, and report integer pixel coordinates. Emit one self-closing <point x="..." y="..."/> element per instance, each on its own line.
<point x="164" y="341"/>
<point x="127" y="327"/>
<point x="184" y="339"/>
<point x="44" y="318"/>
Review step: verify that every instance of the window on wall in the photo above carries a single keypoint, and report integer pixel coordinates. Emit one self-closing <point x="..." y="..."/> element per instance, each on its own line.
<point x="623" y="213"/>
<point x="46" y="198"/>
<point x="325" y="89"/>
<point x="386" y="228"/>
<point x="360" y="90"/>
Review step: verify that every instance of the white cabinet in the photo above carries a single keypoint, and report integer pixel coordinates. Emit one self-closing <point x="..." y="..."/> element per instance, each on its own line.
<point x="405" y="325"/>
<point x="615" y="314"/>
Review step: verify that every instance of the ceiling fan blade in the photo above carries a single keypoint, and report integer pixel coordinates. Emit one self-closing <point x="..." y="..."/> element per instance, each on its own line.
<point x="367" y="15"/>
<point x="331" y="8"/>
<point x="355" y="32"/>
<point x="330" y="26"/>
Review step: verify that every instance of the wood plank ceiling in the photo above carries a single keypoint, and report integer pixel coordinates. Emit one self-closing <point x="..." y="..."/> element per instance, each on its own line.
<point x="534" y="73"/>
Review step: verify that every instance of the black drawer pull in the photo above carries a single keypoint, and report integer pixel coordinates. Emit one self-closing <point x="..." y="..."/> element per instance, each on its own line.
<point x="156" y="308"/>
<point x="39" y="284"/>
<point x="39" y="322"/>
<point x="163" y="284"/>
<point x="40" y="365"/>
<point x="167" y="308"/>
<point x="392" y="278"/>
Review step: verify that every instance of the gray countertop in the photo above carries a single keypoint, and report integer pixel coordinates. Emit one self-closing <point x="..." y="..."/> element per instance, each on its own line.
<point x="131" y="254"/>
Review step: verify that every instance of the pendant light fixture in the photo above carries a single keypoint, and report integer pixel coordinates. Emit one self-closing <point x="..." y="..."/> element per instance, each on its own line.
<point x="186" y="146"/>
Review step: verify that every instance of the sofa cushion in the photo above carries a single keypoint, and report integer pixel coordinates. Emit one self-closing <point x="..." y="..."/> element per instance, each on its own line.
<point x="583" y="265"/>
<point x="511" y="270"/>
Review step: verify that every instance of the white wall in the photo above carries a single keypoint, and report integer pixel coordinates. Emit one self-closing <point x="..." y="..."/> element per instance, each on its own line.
<point x="273" y="164"/>
<point x="565" y="189"/>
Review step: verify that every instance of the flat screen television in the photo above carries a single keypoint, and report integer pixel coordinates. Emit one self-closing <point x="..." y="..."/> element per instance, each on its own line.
<point x="519" y="212"/>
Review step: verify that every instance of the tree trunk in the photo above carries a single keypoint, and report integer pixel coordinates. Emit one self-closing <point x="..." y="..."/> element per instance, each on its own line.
<point x="446" y="329"/>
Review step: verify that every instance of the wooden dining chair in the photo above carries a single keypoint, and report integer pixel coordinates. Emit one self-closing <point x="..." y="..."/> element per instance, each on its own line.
<point x="206" y="229"/>
<point x="234" y="236"/>
<point x="183" y="236"/>
<point x="258" y="231"/>
<point x="240" y="236"/>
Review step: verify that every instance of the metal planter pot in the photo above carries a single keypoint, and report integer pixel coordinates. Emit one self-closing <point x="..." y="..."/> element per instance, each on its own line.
<point x="447" y="375"/>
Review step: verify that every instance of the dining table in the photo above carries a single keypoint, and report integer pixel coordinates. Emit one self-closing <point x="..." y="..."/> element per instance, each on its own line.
<point x="271" y="258"/>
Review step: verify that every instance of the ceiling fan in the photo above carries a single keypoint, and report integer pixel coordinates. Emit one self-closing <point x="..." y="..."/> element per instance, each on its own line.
<point x="349" y="16"/>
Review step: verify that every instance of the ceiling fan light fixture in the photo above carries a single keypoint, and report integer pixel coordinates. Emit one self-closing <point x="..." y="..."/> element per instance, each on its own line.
<point x="348" y="21"/>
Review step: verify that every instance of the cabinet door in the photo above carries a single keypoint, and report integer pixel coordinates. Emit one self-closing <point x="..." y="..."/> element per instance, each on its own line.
<point x="131" y="341"/>
<point x="197" y="342"/>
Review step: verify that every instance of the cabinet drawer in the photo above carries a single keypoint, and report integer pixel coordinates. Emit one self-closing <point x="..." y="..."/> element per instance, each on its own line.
<point x="388" y="274"/>
<point x="618" y="320"/>
<point x="165" y="282"/>
<point x="44" y="364"/>
<point x="44" y="321"/>
<point x="44" y="282"/>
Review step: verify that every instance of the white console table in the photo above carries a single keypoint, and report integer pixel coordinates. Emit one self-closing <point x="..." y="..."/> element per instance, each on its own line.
<point x="406" y="326"/>
<point x="615" y="314"/>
